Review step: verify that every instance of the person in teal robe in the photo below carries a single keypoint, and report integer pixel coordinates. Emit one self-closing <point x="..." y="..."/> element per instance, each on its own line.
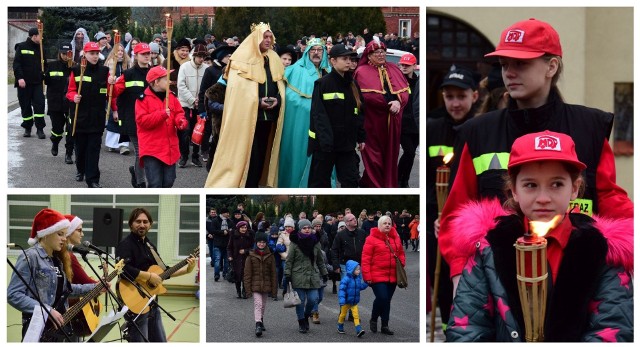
<point x="293" y="168"/>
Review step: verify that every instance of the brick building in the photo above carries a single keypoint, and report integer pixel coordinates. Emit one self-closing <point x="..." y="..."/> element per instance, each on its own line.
<point x="405" y="21"/>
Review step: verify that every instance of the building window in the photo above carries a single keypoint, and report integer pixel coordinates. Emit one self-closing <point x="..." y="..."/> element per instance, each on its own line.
<point x="20" y="212"/>
<point x="82" y="206"/>
<point x="189" y="224"/>
<point x="404" y="28"/>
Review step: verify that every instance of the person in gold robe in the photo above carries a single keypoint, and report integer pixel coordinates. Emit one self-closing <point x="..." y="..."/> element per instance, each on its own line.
<point x="249" y="145"/>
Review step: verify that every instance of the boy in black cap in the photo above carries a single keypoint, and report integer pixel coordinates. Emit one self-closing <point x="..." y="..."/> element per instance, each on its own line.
<point x="28" y="72"/>
<point x="337" y="124"/>
<point x="459" y="90"/>
<point x="57" y="79"/>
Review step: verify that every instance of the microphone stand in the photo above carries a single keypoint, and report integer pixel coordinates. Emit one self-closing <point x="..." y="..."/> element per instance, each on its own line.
<point x="104" y="283"/>
<point x="35" y="296"/>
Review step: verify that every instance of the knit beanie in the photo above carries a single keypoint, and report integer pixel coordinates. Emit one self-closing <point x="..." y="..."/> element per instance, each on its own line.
<point x="75" y="223"/>
<point x="315" y="222"/>
<point x="304" y="223"/>
<point x="47" y="222"/>
<point x="262" y="237"/>
<point x="289" y="223"/>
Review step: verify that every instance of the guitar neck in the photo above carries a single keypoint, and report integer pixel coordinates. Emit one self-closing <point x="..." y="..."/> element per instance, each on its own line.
<point x="73" y="310"/>
<point x="167" y="273"/>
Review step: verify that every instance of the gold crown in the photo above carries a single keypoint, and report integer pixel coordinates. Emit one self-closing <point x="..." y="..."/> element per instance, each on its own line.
<point x="255" y="26"/>
<point x="316" y="41"/>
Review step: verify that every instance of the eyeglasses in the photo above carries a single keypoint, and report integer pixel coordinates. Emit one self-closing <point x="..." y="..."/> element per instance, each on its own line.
<point x="379" y="52"/>
<point x="316" y="50"/>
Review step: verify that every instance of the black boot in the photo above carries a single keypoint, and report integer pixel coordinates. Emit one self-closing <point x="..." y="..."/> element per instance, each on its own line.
<point x="142" y="185"/>
<point x="134" y="182"/>
<point x="40" y="134"/>
<point x="262" y="324"/>
<point x="27" y="132"/>
<point x="306" y="323"/>
<point x="67" y="157"/>
<point x="301" y="326"/>
<point x="238" y="291"/>
<point x="335" y="290"/>
<point x="244" y="292"/>
<point x="54" y="147"/>
<point x="258" y="329"/>
<point x="385" y="329"/>
<point x="373" y="325"/>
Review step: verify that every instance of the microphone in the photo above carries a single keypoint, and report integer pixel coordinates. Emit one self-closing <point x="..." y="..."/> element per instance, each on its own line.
<point x="93" y="247"/>
<point x="13" y="245"/>
<point x="80" y="250"/>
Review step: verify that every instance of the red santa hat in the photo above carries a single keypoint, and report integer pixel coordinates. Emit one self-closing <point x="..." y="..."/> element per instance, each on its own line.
<point x="75" y="223"/>
<point x="47" y="222"/>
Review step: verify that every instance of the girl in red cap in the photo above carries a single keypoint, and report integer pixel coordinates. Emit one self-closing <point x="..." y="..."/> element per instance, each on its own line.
<point x="590" y="260"/>
<point x="531" y="58"/>
<point x="46" y="269"/>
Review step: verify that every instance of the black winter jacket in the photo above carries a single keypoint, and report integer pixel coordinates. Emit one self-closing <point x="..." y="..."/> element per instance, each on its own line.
<point x="347" y="245"/>
<point x="27" y="63"/>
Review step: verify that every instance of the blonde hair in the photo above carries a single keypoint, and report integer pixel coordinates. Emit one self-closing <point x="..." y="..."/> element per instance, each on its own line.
<point x="113" y="57"/>
<point x="384" y="219"/>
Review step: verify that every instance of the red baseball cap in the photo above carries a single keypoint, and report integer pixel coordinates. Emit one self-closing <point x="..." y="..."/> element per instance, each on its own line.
<point x="91" y="46"/>
<point x="156" y="72"/>
<point x="408" y="59"/>
<point x="545" y="145"/>
<point x="141" y="48"/>
<point x="528" y="39"/>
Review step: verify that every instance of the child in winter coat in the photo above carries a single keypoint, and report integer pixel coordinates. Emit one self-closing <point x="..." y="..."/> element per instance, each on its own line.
<point x="260" y="278"/>
<point x="590" y="291"/>
<point x="349" y="296"/>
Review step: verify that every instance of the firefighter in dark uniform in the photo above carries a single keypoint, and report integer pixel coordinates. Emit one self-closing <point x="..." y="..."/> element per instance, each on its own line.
<point x="28" y="73"/>
<point x="459" y="90"/>
<point x="129" y="87"/>
<point x="92" y="102"/>
<point x="337" y="124"/>
<point x="57" y="80"/>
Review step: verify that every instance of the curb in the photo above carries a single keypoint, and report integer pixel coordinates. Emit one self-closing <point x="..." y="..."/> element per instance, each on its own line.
<point x="13" y="106"/>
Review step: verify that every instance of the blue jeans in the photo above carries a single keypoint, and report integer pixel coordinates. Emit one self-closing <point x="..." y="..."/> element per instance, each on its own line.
<point x="159" y="174"/>
<point x="210" y="244"/>
<point x="218" y="255"/>
<point x="382" y="303"/>
<point x="343" y="271"/>
<point x="320" y="296"/>
<point x="150" y="325"/>
<point x="308" y="298"/>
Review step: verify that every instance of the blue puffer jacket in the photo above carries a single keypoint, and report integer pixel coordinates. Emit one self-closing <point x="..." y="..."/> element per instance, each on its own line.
<point x="350" y="285"/>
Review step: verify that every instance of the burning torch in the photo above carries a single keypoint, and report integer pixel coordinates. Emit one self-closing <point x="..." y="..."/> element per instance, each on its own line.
<point x="83" y="66"/>
<point x="443" y="173"/>
<point x="112" y="70"/>
<point x="532" y="274"/>
<point x="40" y="31"/>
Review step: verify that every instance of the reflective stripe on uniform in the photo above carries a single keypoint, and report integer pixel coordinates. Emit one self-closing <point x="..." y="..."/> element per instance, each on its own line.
<point x="84" y="78"/>
<point x="103" y="90"/>
<point x="39" y="115"/>
<point x="332" y="96"/>
<point x="355" y="111"/>
<point x="26" y="51"/>
<point x="491" y="161"/>
<point x="56" y="135"/>
<point x="584" y="206"/>
<point x="27" y="118"/>
<point x="56" y="73"/>
<point x="439" y="151"/>
<point x="312" y="134"/>
<point x="129" y="84"/>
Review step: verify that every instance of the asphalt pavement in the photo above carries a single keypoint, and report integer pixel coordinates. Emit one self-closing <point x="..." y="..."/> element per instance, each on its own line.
<point x="230" y="319"/>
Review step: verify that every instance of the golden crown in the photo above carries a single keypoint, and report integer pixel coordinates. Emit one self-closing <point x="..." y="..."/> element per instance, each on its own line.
<point x="255" y="26"/>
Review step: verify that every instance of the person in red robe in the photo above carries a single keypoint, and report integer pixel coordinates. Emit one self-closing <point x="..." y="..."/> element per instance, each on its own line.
<point x="386" y="93"/>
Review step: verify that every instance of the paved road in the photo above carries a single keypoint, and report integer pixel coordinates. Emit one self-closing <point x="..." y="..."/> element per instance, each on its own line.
<point x="231" y="320"/>
<point x="31" y="164"/>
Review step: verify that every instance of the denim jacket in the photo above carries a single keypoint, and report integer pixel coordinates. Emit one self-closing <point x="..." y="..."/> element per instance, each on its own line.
<point x="45" y="281"/>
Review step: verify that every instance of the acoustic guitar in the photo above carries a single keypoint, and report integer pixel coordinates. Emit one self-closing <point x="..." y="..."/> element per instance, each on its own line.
<point x="88" y="318"/>
<point x="136" y="301"/>
<point x="52" y="333"/>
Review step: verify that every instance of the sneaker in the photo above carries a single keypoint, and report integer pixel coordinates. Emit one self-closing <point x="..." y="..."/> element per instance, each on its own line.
<point x="124" y="150"/>
<point x="182" y="162"/>
<point x="196" y="162"/>
<point x="340" y="328"/>
<point x="359" y="331"/>
<point x="316" y="317"/>
<point x="109" y="149"/>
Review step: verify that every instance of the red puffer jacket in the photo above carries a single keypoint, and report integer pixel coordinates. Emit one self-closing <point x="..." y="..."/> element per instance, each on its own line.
<point x="378" y="264"/>
<point x="157" y="134"/>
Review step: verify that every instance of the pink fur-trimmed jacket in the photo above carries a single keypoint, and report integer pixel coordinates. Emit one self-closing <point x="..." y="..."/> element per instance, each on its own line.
<point x="591" y="299"/>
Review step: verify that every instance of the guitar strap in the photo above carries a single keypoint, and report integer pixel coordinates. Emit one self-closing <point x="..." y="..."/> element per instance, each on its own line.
<point x="156" y="257"/>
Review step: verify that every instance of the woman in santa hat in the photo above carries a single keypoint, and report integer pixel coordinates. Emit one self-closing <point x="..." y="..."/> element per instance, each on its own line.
<point x="45" y="268"/>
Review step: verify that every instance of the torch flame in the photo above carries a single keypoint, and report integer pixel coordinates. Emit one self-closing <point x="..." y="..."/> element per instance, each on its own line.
<point x="167" y="15"/>
<point x="542" y="228"/>
<point x="447" y="158"/>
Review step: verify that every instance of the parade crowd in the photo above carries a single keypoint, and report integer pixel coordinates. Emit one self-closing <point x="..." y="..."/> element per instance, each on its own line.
<point x="268" y="258"/>
<point x="278" y="115"/>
